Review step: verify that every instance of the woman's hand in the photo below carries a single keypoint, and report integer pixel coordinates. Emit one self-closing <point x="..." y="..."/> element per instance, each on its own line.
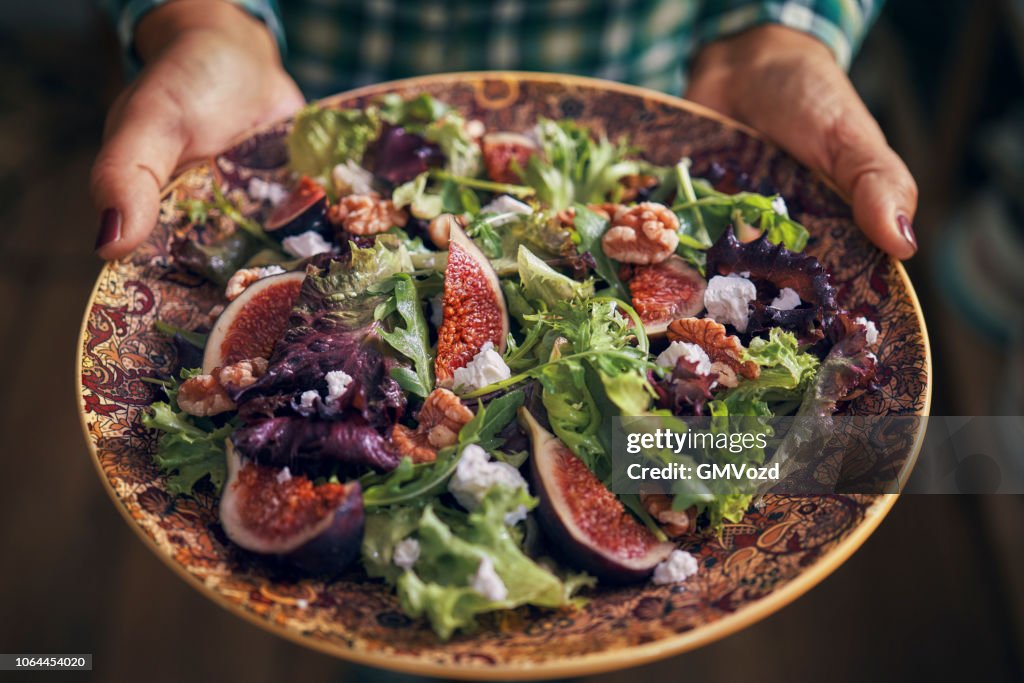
<point x="788" y="85"/>
<point x="212" y="72"/>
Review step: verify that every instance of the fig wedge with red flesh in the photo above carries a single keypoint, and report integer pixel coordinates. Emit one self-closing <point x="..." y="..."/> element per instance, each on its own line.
<point x="305" y="209"/>
<point x="663" y="292"/>
<point x="586" y="523"/>
<point x="503" y="152"/>
<point x="269" y="511"/>
<point x="473" y="308"/>
<point x="252" y="324"/>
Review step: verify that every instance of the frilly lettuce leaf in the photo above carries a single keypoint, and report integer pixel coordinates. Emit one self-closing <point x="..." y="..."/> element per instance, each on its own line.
<point x="786" y="372"/>
<point x="461" y="151"/>
<point x="323" y="137"/>
<point x="575" y="167"/>
<point x="452" y="546"/>
<point x="189" y="448"/>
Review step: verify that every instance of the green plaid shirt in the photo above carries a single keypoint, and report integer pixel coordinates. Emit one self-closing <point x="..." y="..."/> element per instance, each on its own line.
<point x="334" y="45"/>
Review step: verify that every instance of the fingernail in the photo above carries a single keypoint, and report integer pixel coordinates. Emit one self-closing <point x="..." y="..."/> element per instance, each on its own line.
<point x="110" y="228"/>
<point x="907" y="230"/>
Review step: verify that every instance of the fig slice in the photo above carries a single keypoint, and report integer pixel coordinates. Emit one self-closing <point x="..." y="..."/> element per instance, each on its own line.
<point x="502" y="151"/>
<point x="473" y="306"/>
<point x="305" y="209"/>
<point x="252" y="324"/>
<point x="269" y="511"/>
<point x="586" y="523"/>
<point x="666" y="291"/>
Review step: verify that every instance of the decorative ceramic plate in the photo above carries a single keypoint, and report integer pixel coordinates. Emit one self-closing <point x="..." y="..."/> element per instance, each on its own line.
<point x="773" y="556"/>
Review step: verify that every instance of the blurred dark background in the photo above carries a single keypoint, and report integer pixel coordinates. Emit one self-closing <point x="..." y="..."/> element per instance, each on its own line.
<point x="936" y="593"/>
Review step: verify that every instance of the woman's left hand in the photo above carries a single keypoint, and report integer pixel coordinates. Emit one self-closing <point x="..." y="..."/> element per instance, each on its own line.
<point x="787" y="85"/>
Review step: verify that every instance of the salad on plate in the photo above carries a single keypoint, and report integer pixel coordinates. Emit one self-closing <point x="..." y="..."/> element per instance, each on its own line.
<point x="427" y="327"/>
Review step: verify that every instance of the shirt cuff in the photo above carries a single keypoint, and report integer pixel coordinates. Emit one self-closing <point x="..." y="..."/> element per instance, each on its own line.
<point x="839" y="25"/>
<point x="131" y="12"/>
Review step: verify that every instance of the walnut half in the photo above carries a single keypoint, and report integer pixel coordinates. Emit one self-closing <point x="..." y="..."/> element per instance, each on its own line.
<point x="642" y="234"/>
<point x="366" y="214"/>
<point x="674" y="523"/>
<point x="205" y="395"/>
<point x="440" y="419"/>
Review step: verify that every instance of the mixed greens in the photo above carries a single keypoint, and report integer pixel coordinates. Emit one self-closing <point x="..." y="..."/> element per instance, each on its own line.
<point x="363" y="393"/>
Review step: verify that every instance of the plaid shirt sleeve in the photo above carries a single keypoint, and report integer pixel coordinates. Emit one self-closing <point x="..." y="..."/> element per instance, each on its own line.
<point x="840" y="24"/>
<point x="127" y="13"/>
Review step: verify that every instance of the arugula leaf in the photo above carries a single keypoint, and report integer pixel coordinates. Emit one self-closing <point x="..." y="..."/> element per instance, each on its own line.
<point x="718" y="210"/>
<point x="411" y="340"/>
<point x="189" y="448"/>
<point x="491" y="419"/>
<point x="416" y="484"/>
<point x="196" y="339"/>
<point x="590" y="227"/>
<point x="322" y="137"/>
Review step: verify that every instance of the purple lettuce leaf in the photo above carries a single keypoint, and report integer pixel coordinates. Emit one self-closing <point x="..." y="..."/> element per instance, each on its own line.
<point x="397" y="156"/>
<point x="780" y="267"/>
<point x="289" y="440"/>
<point x="685" y="391"/>
<point x="848" y="367"/>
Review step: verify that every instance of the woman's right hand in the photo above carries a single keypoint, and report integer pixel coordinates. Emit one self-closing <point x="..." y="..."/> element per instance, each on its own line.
<point x="212" y="72"/>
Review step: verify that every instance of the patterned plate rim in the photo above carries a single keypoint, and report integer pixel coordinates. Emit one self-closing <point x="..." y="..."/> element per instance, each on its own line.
<point x="571" y="666"/>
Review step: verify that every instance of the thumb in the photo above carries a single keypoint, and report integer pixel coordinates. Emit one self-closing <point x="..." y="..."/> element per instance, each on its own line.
<point x="144" y="142"/>
<point x="874" y="178"/>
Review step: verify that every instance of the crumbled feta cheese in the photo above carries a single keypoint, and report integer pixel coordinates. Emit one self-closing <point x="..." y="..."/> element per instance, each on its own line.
<point x="307" y="403"/>
<point x="691" y="352"/>
<point x="407" y="551"/>
<point x="309" y="243"/>
<point x="476" y="473"/>
<point x="351" y="178"/>
<point x="475" y="128"/>
<point x="261" y="190"/>
<point x="337" y="383"/>
<point x="506" y="204"/>
<point x="487" y="583"/>
<point x="727" y="299"/>
<point x="787" y="299"/>
<point x="302" y="603"/>
<point x="869" y="327"/>
<point x="284" y="475"/>
<point x="487" y="367"/>
<point x="679" y="566"/>
<point x="779" y="204"/>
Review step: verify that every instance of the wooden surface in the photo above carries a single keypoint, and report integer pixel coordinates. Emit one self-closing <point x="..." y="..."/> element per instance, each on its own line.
<point x="936" y="594"/>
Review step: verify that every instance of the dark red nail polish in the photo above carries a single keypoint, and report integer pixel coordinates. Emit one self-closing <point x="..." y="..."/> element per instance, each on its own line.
<point x="110" y="228"/>
<point x="907" y="230"/>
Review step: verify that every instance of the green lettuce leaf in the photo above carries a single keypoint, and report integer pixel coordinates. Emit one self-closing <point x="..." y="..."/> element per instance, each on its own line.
<point x="414" y="195"/>
<point x="589" y="229"/>
<point x="541" y="282"/>
<point x="323" y="137"/>
<point x="461" y="151"/>
<point x="786" y="371"/>
<point x="452" y="547"/>
<point x="189" y="448"/>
